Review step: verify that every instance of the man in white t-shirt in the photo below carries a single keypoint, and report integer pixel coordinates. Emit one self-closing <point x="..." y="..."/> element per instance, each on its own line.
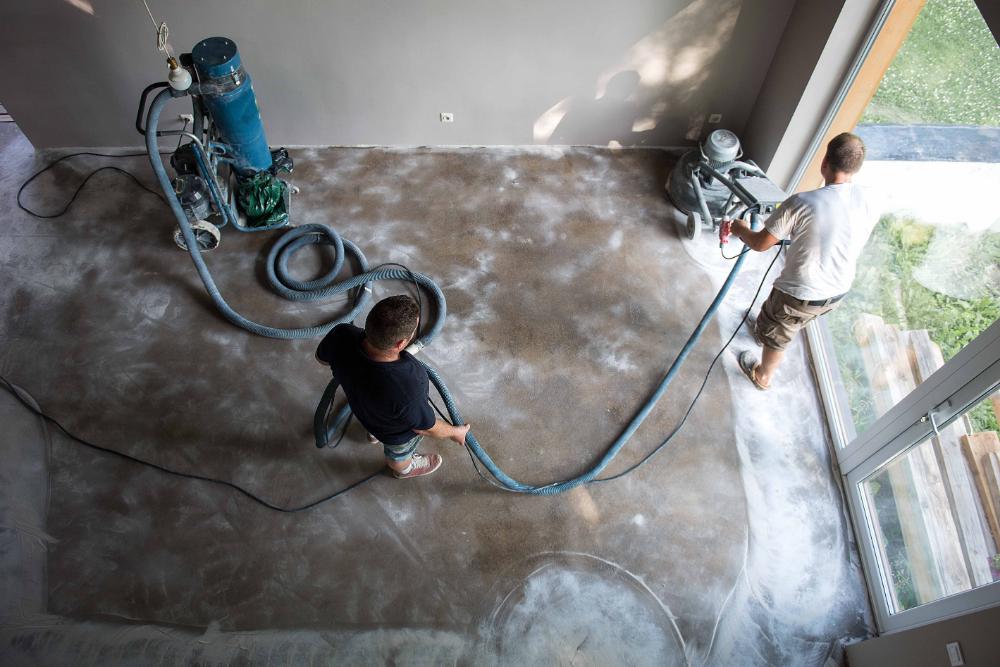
<point x="828" y="229"/>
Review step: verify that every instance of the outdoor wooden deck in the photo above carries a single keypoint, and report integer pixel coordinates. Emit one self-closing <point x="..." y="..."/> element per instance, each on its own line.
<point x="946" y="488"/>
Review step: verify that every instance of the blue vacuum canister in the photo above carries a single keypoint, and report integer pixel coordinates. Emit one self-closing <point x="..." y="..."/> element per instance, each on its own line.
<point x="227" y="93"/>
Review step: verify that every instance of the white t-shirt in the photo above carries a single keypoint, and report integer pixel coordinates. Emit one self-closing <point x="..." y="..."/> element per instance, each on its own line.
<point x="828" y="229"/>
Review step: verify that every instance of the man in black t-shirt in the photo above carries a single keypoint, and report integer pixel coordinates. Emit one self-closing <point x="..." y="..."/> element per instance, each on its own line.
<point x="386" y="387"/>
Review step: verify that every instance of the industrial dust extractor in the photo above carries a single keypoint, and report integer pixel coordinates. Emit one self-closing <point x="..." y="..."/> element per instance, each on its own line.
<point x="225" y="174"/>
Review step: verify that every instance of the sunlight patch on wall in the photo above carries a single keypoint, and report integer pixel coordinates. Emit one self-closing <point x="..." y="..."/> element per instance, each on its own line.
<point x="643" y="124"/>
<point x="676" y="58"/>
<point x="83" y="5"/>
<point x="547" y="123"/>
<point x="671" y="64"/>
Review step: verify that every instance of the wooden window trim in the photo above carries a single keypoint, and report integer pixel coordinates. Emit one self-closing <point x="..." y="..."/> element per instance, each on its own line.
<point x="897" y="27"/>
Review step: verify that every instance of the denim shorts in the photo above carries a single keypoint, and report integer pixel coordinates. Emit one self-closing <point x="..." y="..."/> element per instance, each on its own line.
<point x="403" y="451"/>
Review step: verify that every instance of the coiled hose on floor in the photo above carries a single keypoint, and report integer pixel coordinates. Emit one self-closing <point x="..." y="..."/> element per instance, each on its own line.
<point x="277" y="260"/>
<point x="324" y="286"/>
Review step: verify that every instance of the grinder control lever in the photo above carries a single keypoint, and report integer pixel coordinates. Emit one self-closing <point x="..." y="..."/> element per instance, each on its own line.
<point x="725" y="229"/>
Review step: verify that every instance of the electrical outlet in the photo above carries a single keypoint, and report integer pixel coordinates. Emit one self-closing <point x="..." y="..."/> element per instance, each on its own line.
<point x="186" y="118"/>
<point x="715" y="118"/>
<point x="955" y="654"/>
<point x="446" y="117"/>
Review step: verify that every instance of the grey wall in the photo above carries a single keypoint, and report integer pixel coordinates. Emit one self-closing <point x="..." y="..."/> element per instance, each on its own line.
<point x="814" y="56"/>
<point x="925" y="647"/>
<point x="788" y="76"/>
<point x="378" y="72"/>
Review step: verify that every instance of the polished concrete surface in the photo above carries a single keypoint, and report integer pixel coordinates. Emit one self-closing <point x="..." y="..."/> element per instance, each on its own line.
<point x="569" y="293"/>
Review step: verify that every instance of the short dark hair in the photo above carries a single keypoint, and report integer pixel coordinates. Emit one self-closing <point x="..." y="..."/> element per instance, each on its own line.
<point x="845" y="153"/>
<point x="391" y="320"/>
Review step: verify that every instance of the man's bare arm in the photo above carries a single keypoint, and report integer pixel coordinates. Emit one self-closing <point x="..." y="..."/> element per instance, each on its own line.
<point x="446" y="431"/>
<point x="760" y="240"/>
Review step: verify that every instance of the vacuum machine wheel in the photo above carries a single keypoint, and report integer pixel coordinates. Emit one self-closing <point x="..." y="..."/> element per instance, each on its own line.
<point x="205" y="233"/>
<point x="693" y="225"/>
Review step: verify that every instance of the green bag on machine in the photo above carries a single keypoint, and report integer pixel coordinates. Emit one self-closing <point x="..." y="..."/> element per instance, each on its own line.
<point x="262" y="198"/>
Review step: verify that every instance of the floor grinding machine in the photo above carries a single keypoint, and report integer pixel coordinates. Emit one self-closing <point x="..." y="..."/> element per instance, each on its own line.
<point x="705" y="181"/>
<point x="225" y="173"/>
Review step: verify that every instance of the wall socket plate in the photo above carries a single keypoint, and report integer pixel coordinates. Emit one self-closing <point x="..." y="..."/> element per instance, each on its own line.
<point x="955" y="654"/>
<point x="715" y="118"/>
<point x="446" y="117"/>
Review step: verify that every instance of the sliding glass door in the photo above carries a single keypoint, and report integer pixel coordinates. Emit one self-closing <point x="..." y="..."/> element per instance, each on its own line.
<point x="923" y="485"/>
<point x="909" y="364"/>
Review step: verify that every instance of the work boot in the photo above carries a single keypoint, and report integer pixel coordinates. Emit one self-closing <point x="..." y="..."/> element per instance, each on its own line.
<point x="420" y="464"/>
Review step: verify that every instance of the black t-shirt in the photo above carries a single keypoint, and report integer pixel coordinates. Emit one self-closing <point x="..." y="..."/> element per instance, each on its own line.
<point x="389" y="398"/>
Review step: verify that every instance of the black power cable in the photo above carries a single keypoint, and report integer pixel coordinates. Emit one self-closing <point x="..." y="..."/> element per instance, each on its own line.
<point x="80" y="187"/>
<point x="257" y="499"/>
<point x="745" y="250"/>
<point x="416" y="286"/>
<point x="468" y="450"/>
<point x="704" y="382"/>
<point x="347" y="425"/>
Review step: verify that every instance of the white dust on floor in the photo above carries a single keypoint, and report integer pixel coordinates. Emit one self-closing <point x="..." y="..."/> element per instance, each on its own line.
<point x="581" y="610"/>
<point x="801" y="572"/>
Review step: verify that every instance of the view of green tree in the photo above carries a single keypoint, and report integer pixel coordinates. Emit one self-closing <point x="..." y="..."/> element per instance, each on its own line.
<point x="886" y="285"/>
<point x="946" y="72"/>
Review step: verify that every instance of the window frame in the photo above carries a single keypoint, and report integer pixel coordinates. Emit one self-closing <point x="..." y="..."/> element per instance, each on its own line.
<point x="955" y="387"/>
<point x="965" y="379"/>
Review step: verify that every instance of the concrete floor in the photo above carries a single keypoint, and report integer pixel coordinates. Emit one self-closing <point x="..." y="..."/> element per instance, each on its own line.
<point x="569" y="293"/>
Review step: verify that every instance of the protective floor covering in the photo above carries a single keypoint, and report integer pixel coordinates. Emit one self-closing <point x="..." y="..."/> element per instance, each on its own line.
<point x="569" y="293"/>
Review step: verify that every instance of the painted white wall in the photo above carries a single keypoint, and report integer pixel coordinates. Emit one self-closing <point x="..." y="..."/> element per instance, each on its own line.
<point x="347" y="72"/>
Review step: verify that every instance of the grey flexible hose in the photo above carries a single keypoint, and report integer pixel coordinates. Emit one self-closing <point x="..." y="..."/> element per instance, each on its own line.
<point x="279" y="255"/>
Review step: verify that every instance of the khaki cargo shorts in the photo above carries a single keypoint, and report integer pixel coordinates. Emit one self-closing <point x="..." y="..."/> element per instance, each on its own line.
<point x="782" y="316"/>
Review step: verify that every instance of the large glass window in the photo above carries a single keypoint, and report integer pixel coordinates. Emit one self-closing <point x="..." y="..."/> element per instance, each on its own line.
<point x="933" y="511"/>
<point x="909" y="363"/>
<point x="929" y="279"/>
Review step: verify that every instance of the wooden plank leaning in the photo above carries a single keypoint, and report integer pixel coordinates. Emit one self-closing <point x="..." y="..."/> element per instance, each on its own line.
<point x="933" y="554"/>
<point x="975" y="538"/>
